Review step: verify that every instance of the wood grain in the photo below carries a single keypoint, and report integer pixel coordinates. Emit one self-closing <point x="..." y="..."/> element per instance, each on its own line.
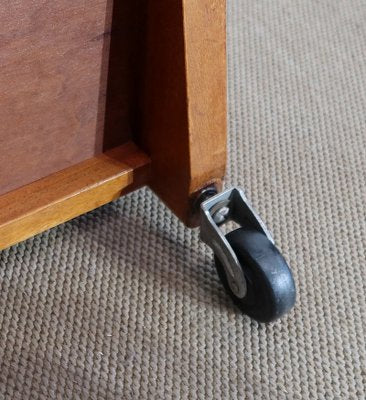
<point x="184" y="99"/>
<point x="125" y="52"/>
<point x="54" y="62"/>
<point x="66" y="194"/>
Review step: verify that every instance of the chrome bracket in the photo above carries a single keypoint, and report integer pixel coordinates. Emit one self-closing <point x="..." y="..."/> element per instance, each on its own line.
<point x="230" y="205"/>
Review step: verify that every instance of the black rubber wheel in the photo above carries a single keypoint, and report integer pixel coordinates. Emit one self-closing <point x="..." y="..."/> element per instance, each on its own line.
<point x="270" y="286"/>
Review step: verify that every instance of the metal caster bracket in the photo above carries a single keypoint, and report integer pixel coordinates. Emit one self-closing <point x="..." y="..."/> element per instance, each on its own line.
<point x="230" y="205"/>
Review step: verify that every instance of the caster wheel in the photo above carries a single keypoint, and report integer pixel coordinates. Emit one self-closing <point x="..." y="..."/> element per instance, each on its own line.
<point x="270" y="285"/>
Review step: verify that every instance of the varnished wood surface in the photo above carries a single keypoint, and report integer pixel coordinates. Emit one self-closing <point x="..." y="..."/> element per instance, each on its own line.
<point x="125" y="52"/>
<point x="54" y="62"/>
<point x="66" y="194"/>
<point x="184" y="99"/>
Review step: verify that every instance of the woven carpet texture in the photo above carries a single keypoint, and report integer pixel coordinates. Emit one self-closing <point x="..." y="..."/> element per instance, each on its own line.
<point x="125" y="303"/>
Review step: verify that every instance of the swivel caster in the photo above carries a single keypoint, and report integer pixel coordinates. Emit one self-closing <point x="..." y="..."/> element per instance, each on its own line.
<point x="251" y="268"/>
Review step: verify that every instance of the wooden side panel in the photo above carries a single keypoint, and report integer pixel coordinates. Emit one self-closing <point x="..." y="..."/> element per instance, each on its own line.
<point x="66" y="194"/>
<point x="53" y="82"/>
<point x="184" y="98"/>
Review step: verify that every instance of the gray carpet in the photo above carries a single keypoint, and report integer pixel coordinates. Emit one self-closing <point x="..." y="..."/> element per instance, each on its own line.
<point x="124" y="303"/>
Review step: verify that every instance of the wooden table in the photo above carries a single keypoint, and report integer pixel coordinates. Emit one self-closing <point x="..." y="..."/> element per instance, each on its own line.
<point x="99" y="98"/>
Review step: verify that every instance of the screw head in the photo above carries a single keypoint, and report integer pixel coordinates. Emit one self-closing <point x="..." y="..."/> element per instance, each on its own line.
<point x="221" y="215"/>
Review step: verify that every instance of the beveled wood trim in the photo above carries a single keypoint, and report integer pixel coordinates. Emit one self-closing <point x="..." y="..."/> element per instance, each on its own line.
<point x="66" y="194"/>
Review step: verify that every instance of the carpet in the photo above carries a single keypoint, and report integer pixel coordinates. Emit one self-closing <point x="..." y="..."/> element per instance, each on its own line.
<point x="124" y="302"/>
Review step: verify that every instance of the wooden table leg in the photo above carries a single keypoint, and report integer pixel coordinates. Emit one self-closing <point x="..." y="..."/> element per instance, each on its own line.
<point x="183" y="125"/>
